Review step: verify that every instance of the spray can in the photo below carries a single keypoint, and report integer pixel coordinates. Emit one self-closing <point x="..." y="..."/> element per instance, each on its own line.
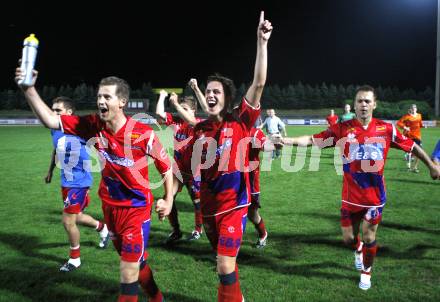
<point x="30" y="46"/>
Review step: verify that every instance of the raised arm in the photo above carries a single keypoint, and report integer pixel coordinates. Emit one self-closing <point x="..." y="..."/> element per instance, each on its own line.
<point x="49" y="118"/>
<point x="434" y="170"/>
<point x="199" y="94"/>
<point x="160" y="106"/>
<point x="255" y="91"/>
<point x="182" y="112"/>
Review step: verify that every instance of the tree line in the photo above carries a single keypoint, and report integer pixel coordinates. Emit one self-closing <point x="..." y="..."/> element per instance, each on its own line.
<point x="292" y="96"/>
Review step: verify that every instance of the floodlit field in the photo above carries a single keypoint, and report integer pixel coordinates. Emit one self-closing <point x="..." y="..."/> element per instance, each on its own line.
<point x="304" y="260"/>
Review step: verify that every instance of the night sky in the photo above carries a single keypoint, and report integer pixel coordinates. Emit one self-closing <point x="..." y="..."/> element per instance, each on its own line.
<point x="379" y="42"/>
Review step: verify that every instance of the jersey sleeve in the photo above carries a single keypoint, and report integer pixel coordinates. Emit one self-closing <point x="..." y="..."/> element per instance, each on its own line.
<point x="157" y="152"/>
<point x="399" y="141"/>
<point x="82" y="126"/>
<point x="248" y="114"/>
<point x="328" y="137"/>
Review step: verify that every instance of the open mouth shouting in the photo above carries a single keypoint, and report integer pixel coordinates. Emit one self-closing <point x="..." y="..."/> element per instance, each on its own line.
<point x="212" y="103"/>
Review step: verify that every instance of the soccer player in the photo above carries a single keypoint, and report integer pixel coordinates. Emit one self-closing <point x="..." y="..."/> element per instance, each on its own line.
<point x="76" y="180"/>
<point x="219" y="150"/>
<point x="183" y="126"/>
<point x="122" y="145"/>
<point x="411" y="123"/>
<point x="257" y="144"/>
<point x="332" y="119"/>
<point x="348" y="115"/>
<point x="274" y="125"/>
<point x="364" y="144"/>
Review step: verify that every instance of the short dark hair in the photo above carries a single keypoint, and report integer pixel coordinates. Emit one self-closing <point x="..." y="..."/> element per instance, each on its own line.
<point x="365" y="88"/>
<point x="190" y="100"/>
<point x="122" y="87"/>
<point x="228" y="87"/>
<point x="66" y="101"/>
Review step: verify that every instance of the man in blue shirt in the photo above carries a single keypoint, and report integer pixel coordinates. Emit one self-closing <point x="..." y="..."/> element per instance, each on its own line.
<point x="76" y="179"/>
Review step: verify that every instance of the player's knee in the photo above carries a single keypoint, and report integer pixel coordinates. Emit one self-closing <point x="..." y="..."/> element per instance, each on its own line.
<point x="369" y="238"/>
<point x="348" y="239"/>
<point x="129" y="272"/>
<point x="225" y="267"/>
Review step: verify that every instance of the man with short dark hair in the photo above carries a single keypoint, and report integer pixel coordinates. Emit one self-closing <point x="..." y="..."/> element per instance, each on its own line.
<point x="76" y="179"/>
<point x="364" y="143"/>
<point x="123" y="145"/>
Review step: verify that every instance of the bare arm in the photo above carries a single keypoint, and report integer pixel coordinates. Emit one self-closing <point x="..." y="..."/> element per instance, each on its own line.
<point x="49" y="118"/>
<point x="255" y="91"/>
<point x="187" y="117"/>
<point x="48" y="177"/>
<point x="199" y="94"/>
<point x="160" y="106"/>
<point x="434" y="169"/>
<point x="305" y="140"/>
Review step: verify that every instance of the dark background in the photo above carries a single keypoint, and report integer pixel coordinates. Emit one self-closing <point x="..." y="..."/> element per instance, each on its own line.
<point x="380" y="42"/>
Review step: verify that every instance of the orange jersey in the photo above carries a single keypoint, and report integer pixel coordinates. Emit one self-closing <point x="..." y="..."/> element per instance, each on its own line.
<point x="414" y="123"/>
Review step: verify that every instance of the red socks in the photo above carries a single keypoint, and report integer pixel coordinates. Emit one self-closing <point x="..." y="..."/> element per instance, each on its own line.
<point x="74" y="252"/>
<point x="369" y="252"/>
<point x="148" y="284"/>
<point x="229" y="288"/>
<point x="261" y="228"/>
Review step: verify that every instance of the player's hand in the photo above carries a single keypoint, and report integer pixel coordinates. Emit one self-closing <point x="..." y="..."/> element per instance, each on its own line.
<point x="163" y="208"/>
<point x="48" y="178"/>
<point x="276" y="139"/>
<point x="163" y="93"/>
<point x="173" y="99"/>
<point x="406" y="128"/>
<point x="19" y="75"/>
<point x="435" y="172"/>
<point x="193" y="84"/>
<point x="264" y="28"/>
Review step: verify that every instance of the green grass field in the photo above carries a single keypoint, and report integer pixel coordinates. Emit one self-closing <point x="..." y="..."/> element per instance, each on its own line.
<point x="304" y="260"/>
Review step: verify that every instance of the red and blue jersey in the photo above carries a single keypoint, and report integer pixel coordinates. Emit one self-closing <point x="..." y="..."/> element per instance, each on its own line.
<point x="73" y="157"/>
<point x="125" y="181"/>
<point x="183" y="134"/>
<point x="223" y="150"/>
<point x="364" y="152"/>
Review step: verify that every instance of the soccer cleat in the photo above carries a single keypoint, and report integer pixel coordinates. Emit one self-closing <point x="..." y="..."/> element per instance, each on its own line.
<point x="195" y="235"/>
<point x="261" y="242"/>
<point x="415" y="170"/>
<point x="358" y="260"/>
<point x="173" y="237"/>
<point x="68" y="267"/>
<point x="104" y="236"/>
<point x="365" y="282"/>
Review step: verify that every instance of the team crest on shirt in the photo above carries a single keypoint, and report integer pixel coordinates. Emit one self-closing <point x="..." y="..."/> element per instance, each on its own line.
<point x="135" y="135"/>
<point x="231" y="229"/>
<point x="351" y="136"/>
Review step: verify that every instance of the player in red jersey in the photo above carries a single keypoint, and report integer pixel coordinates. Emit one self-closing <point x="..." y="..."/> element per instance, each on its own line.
<point x="122" y="144"/>
<point x="332" y="118"/>
<point x="258" y="143"/>
<point x="219" y="149"/>
<point x="183" y="126"/>
<point x="364" y="143"/>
